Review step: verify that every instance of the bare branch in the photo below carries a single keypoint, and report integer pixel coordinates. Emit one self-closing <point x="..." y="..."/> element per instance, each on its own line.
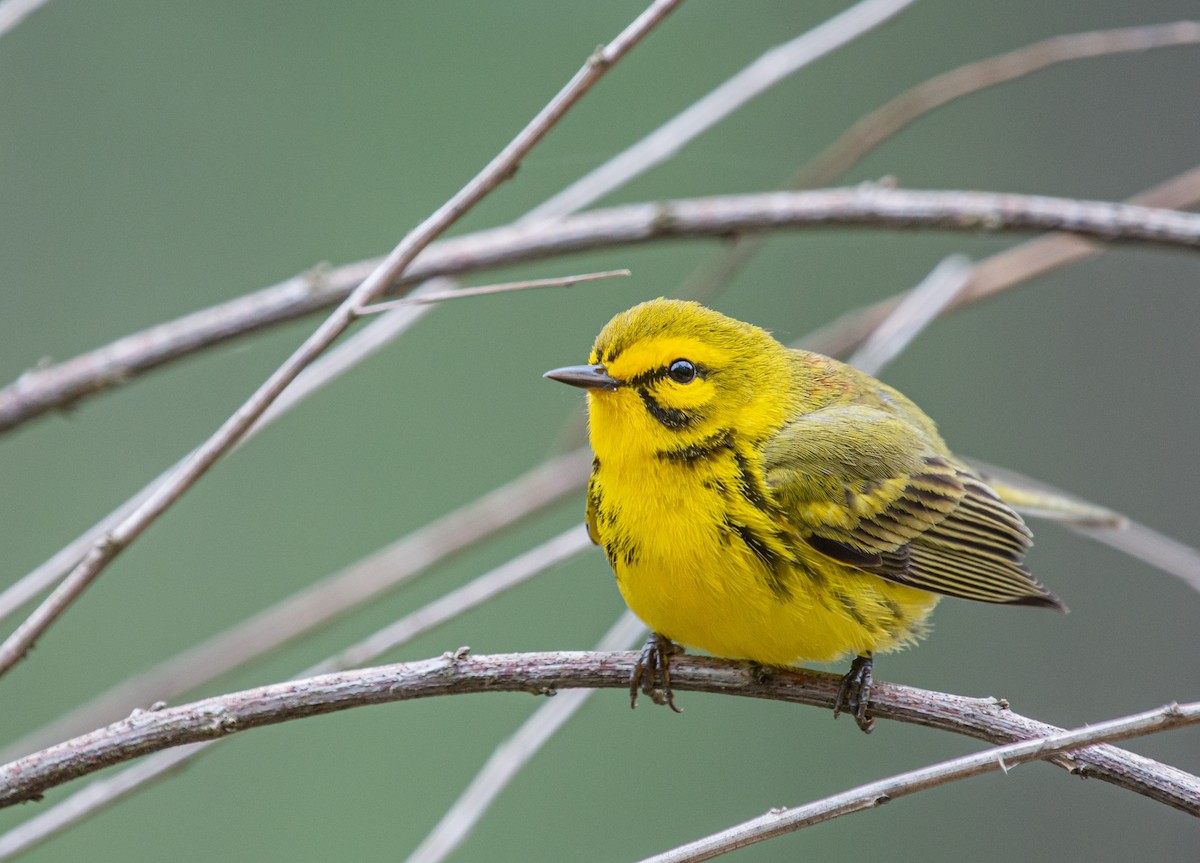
<point x="832" y="163"/>
<point x="542" y="673"/>
<point x="487" y="290"/>
<point x="779" y="822"/>
<point x="493" y="174"/>
<point x="13" y="12"/>
<point x="1042" y="500"/>
<point x="102" y="793"/>
<point x="42" y="390"/>
<point x="881" y="124"/>
<point x="324" y="601"/>
<point x="765" y="72"/>
<point x="1004" y="270"/>
<point x="566" y="545"/>
<point x="328" y="367"/>
<point x="920" y="307"/>
<point x="513" y="754"/>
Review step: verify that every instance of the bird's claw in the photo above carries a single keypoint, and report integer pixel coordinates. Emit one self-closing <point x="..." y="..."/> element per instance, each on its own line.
<point x="654" y="665"/>
<point x="854" y="693"/>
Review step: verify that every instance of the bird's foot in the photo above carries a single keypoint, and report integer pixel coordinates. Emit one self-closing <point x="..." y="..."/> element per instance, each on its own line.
<point x="653" y="666"/>
<point x="854" y="695"/>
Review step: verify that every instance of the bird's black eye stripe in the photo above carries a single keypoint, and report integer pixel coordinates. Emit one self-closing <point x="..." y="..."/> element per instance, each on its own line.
<point x="682" y="371"/>
<point x="657" y="374"/>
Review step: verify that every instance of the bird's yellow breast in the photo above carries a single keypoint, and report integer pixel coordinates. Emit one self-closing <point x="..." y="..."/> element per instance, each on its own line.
<point x="699" y="559"/>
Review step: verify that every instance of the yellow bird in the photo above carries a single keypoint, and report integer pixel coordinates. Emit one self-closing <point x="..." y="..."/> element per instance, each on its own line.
<point x="777" y="505"/>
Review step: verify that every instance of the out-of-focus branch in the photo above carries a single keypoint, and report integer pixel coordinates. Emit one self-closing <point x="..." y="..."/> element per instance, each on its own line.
<point x="317" y="605"/>
<point x="922" y="304"/>
<point x="768" y="70"/>
<point x="544" y="673"/>
<point x="105" y="792"/>
<point x="832" y="163"/>
<point x="42" y="390"/>
<point x="499" y="169"/>
<point x="876" y="127"/>
<point x="13" y="12"/>
<point x="780" y="822"/>
<point x="513" y="754"/>
<point x="1003" y="270"/>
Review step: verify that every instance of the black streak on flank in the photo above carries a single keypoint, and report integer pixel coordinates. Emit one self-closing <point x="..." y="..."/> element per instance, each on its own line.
<point x="751" y="489"/>
<point x="700" y="451"/>
<point x="775" y="565"/>
<point x="672" y="418"/>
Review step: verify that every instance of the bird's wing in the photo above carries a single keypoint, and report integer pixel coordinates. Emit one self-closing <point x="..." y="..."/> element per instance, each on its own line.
<point x="868" y="489"/>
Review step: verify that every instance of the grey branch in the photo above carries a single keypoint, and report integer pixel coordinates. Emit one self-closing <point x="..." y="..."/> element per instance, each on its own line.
<point x="337" y="594"/>
<point x="499" y="169"/>
<point x="104" y="792"/>
<point x="779" y="822"/>
<point x="42" y="390"/>
<point x="457" y="673"/>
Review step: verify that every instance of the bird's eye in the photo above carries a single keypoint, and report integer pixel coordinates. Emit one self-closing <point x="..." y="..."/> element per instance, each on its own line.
<point x="682" y="371"/>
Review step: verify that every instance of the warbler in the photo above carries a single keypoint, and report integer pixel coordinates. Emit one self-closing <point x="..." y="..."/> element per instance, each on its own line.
<point x="776" y="505"/>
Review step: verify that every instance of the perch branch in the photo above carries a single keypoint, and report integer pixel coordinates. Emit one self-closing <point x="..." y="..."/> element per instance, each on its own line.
<point x="144" y="732"/>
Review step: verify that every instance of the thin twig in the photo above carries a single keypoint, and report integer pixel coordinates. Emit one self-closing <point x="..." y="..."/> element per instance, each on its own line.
<point x="13" y="12"/>
<point x="102" y="793"/>
<point x="537" y="560"/>
<point x="1095" y="522"/>
<point x="485" y="290"/>
<point x="97" y="796"/>
<point x="1005" y="269"/>
<point x="921" y="306"/>
<point x="883" y="123"/>
<point x="334" y="362"/>
<point x="327" y="599"/>
<point x="868" y="133"/>
<point x="458" y="672"/>
<point x="779" y="822"/>
<point x="513" y="754"/>
<point x="493" y="174"/>
<point x="768" y="70"/>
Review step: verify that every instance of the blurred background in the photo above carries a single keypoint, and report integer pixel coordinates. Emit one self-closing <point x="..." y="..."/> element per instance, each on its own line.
<point x="158" y="158"/>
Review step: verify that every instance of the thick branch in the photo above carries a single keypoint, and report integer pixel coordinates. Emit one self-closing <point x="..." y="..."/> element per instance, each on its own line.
<point x="542" y="674"/>
<point x="46" y="389"/>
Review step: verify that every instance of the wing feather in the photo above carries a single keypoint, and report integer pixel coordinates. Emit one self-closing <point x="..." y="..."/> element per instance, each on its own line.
<point x="884" y="500"/>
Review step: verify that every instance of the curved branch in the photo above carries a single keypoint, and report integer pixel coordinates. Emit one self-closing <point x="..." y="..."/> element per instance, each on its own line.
<point x="41" y="390"/>
<point x="457" y="673"/>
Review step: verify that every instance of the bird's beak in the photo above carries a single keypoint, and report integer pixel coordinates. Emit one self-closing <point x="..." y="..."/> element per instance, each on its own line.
<point x="588" y="377"/>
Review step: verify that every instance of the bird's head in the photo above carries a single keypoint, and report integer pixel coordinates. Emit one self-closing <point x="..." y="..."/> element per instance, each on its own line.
<point x="669" y="373"/>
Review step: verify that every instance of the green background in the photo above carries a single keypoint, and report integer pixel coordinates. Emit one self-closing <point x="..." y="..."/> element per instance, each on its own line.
<point x="157" y="158"/>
